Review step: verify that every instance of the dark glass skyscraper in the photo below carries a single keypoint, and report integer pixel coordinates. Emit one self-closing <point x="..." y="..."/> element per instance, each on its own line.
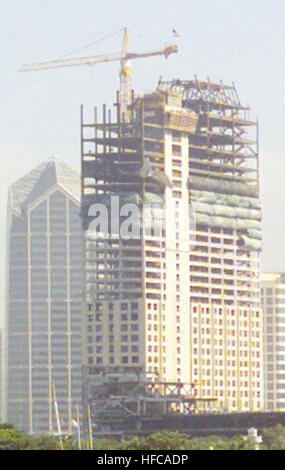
<point x="43" y="318"/>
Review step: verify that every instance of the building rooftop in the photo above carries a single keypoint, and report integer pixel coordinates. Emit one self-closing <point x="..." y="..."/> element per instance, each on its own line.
<point x="46" y="175"/>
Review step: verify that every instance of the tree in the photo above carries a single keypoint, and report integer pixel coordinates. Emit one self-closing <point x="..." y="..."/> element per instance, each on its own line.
<point x="103" y="444"/>
<point x="274" y="438"/>
<point x="164" y="440"/>
<point x="12" y="439"/>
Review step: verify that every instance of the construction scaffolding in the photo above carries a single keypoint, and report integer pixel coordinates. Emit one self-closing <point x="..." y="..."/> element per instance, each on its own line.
<point x="219" y="148"/>
<point x="118" y="404"/>
<point x="188" y="144"/>
<point x="125" y="158"/>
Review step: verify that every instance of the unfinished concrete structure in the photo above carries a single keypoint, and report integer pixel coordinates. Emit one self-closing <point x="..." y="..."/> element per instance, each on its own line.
<point x="180" y="303"/>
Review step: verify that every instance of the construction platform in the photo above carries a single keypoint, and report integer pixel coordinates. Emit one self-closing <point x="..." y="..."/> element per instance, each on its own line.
<point x="194" y="425"/>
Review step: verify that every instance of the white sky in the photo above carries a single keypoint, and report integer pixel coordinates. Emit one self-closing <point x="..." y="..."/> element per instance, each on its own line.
<point x="241" y="41"/>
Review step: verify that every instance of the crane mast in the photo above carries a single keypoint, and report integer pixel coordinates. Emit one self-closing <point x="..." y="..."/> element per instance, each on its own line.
<point x="125" y="71"/>
<point x="125" y="77"/>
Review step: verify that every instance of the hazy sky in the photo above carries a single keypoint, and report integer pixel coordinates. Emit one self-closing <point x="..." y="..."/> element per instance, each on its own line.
<point x="233" y="40"/>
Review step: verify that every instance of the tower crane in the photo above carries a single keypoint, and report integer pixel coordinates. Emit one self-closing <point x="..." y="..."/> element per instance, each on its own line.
<point x="125" y="70"/>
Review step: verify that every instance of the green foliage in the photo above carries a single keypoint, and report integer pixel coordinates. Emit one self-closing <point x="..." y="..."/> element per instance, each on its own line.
<point x="103" y="444"/>
<point x="46" y="443"/>
<point x="274" y="438"/>
<point x="13" y="439"/>
<point x="6" y="426"/>
<point x="211" y="443"/>
<point x="164" y="440"/>
<point x="175" y="441"/>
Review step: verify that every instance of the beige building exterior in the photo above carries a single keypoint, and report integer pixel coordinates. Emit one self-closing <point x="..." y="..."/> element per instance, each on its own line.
<point x="181" y="303"/>
<point x="273" y="303"/>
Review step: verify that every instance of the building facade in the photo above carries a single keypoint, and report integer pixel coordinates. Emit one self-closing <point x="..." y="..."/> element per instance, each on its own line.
<point x="43" y="317"/>
<point x="179" y="303"/>
<point x="1" y="375"/>
<point x="273" y="303"/>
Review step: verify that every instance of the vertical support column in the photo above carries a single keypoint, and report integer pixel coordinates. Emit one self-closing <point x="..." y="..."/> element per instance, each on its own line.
<point x="82" y="151"/>
<point x="237" y="317"/>
<point x="213" y="358"/>
<point x="200" y="365"/>
<point x="49" y="332"/>
<point x="249" y="360"/>
<point x="104" y="129"/>
<point x="30" y="336"/>
<point x="69" y="361"/>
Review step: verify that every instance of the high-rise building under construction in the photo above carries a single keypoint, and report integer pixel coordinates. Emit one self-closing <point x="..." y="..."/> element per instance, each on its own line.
<point x="180" y="302"/>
